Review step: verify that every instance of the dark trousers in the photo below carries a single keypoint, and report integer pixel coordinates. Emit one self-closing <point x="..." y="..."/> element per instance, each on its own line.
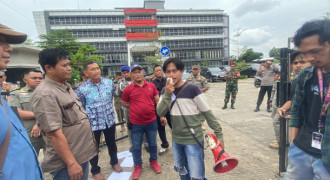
<point x="109" y="135"/>
<point x="161" y="130"/>
<point x="262" y="92"/>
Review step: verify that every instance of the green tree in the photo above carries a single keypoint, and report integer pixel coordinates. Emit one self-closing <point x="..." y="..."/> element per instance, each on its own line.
<point x="240" y="65"/>
<point x="249" y="55"/>
<point x="326" y="15"/>
<point x="80" y="53"/>
<point x="29" y="42"/>
<point x="60" y="39"/>
<point x="274" y="52"/>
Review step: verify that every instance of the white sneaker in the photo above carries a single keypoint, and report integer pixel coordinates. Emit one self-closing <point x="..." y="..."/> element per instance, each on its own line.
<point x="163" y="151"/>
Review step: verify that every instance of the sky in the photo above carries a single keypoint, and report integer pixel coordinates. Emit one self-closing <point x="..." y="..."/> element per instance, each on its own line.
<point x="265" y="23"/>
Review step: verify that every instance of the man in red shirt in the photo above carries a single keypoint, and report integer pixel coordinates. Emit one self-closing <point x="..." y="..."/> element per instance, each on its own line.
<point x="141" y="97"/>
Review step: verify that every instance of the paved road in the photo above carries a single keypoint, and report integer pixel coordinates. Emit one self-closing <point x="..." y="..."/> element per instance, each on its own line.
<point x="246" y="133"/>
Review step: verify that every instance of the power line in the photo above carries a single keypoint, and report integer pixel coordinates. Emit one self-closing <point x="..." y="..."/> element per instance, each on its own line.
<point x="16" y="11"/>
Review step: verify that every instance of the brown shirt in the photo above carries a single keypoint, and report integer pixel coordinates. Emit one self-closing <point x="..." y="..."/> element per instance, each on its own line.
<point x="56" y="106"/>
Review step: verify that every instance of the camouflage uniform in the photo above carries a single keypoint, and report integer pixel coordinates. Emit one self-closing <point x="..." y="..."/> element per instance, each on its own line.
<point x="21" y="99"/>
<point x="199" y="80"/>
<point x="117" y="103"/>
<point x="231" y="86"/>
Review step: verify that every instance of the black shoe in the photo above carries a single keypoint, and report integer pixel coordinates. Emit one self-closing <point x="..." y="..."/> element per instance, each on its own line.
<point x="268" y="110"/>
<point x="257" y="109"/>
<point x="232" y="106"/>
<point x="225" y="106"/>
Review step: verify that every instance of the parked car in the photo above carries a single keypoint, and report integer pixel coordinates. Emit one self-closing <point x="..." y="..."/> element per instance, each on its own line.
<point x="225" y="68"/>
<point x="251" y="70"/>
<point x="213" y="74"/>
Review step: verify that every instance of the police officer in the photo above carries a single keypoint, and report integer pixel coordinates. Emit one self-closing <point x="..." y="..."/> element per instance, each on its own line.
<point x="201" y="82"/>
<point x="231" y="86"/>
<point x="21" y="99"/>
<point x="197" y="79"/>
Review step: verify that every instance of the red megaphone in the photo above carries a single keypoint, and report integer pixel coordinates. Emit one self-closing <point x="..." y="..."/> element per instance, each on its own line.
<point x="223" y="162"/>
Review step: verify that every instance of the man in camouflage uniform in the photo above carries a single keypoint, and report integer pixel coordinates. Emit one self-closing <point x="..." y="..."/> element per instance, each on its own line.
<point x="201" y="82"/>
<point x="21" y="99"/>
<point x="231" y="86"/>
<point x="117" y="102"/>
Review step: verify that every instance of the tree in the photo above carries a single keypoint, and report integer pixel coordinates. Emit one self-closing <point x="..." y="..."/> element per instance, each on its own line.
<point x="80" y="53"/>
<point x="249" y="55"/>
<point x="275" y="52"/>
<point x="60" y="39"/>
<point x="29" y="42"/>
<point x="235" y="40"/>
<point x="326" y="15"/>
<point x="240" y="65"/>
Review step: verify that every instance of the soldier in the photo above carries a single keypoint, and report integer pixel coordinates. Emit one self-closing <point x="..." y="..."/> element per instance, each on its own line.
<point x="201" y="82"/>
<point x="21" y="99"/>
<point x="117" y="102"/>
<point x="231" y="86"/>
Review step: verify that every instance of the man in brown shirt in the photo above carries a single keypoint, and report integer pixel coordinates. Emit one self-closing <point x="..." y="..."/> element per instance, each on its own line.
<point x="62" y="119"/>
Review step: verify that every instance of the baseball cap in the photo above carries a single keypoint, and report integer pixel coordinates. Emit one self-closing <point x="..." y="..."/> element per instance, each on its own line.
<point x="125" y="68"/>
<point x="12" y="37"/>
<point x="135" y="66"/>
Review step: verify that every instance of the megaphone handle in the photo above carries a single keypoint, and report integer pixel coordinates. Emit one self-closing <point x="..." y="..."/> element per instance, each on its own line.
<point x="220" y="154"/>
<point x="224" y="164"/>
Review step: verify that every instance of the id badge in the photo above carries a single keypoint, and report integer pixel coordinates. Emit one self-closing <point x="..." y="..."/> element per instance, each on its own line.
<point x="317" y="140"/>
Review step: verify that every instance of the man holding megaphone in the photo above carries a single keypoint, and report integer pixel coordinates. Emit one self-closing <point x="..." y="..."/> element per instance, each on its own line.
<point x="186" y="102"/>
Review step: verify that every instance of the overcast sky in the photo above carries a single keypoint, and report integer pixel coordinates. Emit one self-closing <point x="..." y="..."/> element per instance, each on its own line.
<point x="267" y="23"/>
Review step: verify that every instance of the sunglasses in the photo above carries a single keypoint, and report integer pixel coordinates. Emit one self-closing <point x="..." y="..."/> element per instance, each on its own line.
<point x="1" y="77"/>
<point x="195" y="69"/>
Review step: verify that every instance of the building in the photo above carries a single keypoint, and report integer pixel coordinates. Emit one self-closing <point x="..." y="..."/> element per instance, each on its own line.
<point x="135" y="35"/>
<point x="22" y="58"/>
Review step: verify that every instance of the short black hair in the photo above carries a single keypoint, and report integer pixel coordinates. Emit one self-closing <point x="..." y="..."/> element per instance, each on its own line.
<point x="314" y="27"/>
<point x="88" y="63"/>
<point x="118" y="73"/>
<point x="157" y="65"/>
<point x="32" y="70"/>
<point x="176" y="61"/>
<point x="51" y="57"/>
<point x="293" y="55"/>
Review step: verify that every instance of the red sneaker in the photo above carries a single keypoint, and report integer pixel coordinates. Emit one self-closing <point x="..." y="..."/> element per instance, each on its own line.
<point x="155" y="166"/>
<point x="137" y="171"/>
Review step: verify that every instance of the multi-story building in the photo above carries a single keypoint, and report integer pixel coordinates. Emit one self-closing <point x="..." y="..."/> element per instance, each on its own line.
<point x="135" y="35"/>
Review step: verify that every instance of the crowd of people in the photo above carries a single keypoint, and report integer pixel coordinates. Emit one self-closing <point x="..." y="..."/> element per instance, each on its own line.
<point x="67" y="125"/>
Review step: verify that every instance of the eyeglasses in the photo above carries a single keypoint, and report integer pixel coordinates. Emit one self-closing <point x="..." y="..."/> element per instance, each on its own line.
<point x="195" y="69"/>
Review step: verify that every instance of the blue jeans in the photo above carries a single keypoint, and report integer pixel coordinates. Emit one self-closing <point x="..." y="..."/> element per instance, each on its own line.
<point x="63" y="173"/>
<point x="189" y="161"/>
<point x="304" y="166"/>
<point x="137" y="132"/>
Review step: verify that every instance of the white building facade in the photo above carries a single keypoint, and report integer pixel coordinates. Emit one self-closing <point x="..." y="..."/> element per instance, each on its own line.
<point x="130" y="35"/>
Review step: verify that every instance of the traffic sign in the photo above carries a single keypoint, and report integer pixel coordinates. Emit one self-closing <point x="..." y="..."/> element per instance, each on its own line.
<point x="165" y="51"/>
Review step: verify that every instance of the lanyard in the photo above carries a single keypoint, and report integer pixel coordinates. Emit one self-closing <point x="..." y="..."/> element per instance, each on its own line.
<point x="325" y="100"/>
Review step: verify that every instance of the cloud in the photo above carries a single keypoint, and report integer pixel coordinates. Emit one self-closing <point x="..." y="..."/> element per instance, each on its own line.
<point x="254" y="37"/>
<point x="255" y="6"/>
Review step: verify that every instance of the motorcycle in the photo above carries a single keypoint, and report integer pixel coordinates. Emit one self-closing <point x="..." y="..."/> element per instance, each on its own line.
<point x="257" y="81"/>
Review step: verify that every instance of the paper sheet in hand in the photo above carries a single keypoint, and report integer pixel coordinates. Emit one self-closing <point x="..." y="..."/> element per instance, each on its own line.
<point x="124" y="154"/>
<point x="120" y="176"/>
<point x="128" y="162"/>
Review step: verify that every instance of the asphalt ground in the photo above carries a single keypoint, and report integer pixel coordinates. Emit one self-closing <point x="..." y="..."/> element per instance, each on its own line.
<point x="246" y="135"/>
